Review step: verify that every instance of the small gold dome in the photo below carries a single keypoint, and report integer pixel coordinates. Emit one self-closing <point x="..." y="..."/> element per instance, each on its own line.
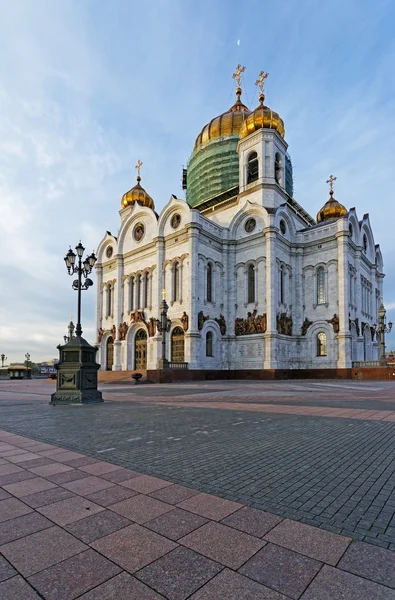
<point x="332" y="209"/>
<point x="224" y="125"/>
<point x="137" y="194"/>
<point x="262" y="118"/>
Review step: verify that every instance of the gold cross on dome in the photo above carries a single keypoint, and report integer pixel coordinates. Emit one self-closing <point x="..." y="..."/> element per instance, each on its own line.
<point x="71" y="317"/>
<point x="138" y="166"/>
<point x="163" y="294"/>
<point x="237" y="74"/>
<point x="330" y="181"/>
<point x="260" y="82"/>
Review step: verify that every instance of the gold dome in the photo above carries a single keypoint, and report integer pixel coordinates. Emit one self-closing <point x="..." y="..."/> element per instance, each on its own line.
<point x="332" y="209"/>
<point x="262" y="118"/>
<point x="137" y="194"/>
<point x="224" y="125"/>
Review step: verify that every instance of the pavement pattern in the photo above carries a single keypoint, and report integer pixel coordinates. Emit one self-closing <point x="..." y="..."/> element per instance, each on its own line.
<point x="334" y="472"/>
<point x="73" y="526"/>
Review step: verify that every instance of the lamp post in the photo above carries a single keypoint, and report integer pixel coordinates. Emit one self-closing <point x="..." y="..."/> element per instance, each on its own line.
<point x="27" y="361"/>
<point x="83" y="269"/>
<point x="163" y="325"/>
<point x="3" y="358"/>
<point x="383" y="328"/>
<point x="76" y="380"/>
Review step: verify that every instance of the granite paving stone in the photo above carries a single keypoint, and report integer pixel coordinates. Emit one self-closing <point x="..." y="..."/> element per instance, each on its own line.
<point x="47" y="497"/>
<point x="28" y="486"/>
<point x="223" y="544"/>
<point x="209" y="506"/>
<point x="10" y="508"/>
<point x="17" y="588"/>
<point x="97" y="526"/>
<point x="176" y="523"/>
<point x="146" y="484"/>
<point x="283" y="570"/>
<point x="370" y="562"/>
<point x="22" y="526"/>
<point x="27" y="456"/>
<point x="100" y="468"/>
<point x="55" y="545"/>
<point x="122" y="587"/>
<point x="88" y="485"/>
<point x="120" y="475"/>
<point x="67" y="476"/>
<point x="65" y="457"/>
<point x="82" y="462"/>
<point x="38" y="462"/>
<point x="21" y="475"/>
<point x="111" y="495"/>
<point x="229" y="585"/>
<point x="179" y="574"/>
<point x="313" y="542"/>
<point x="133" y="547"/>
<point x="52" y="469"/>
<point x="253" y="521"/>
<point x="72" y="509"/>
<point x="6" y="570"/>
<point x="4" y="494"/>
<point x="74" y="576"/>
<point x="332" y="583"/>
<point x="173" y="494"/>
<point x="8" y="469"/>
<point x="141" y="508"/>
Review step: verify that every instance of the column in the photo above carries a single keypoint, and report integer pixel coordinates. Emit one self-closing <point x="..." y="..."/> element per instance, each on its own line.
<point x="271" y="335"/>
<point x="192" y="336"/>
<point x="344" y="335"/>
<point x="118" y="312"/>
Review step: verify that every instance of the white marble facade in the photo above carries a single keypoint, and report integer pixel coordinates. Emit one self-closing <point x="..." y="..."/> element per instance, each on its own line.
<point x="261" y="285"/>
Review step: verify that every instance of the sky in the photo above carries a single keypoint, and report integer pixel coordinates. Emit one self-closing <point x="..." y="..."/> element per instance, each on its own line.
<point x="89" y="87"/>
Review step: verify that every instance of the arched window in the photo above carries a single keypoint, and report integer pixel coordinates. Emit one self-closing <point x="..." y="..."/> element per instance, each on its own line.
<point x="209" y="343"/>
<point x="177" y="345"/>
<point x="282" y="285"/>
<point x="252" y="167"/>
<point x="209" y="282"/>
<point x="321" y="344"/>
<point x="321" y="296"/>
<point x="176" y="281"/>
<point x="131" y="292"/>
<point x="146" y="289"/>
<point x="138" y="292"/>
<point x="109" y="300"/>
<point x="251" y="284"/>
<point x="277" y="168"/>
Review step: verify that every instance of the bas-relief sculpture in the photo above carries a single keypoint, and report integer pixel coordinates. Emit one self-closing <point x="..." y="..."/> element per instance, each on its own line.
<point x="151" y="326"/>
<point x="284" y="324"/>
<point x="100" y="334"/>
<point x="254" y="323"/>
<point x="201" y="319"/>
<point x="335" y="322"/>
<point x="305" y="325"/>
<point x="222" y="324"/>
<point x="122" y="331"/>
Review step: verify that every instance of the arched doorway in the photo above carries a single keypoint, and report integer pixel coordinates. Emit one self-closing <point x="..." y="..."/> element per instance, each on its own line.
<point x="140" y="350"/>
<point x="177" y="345"/>
<point x="110" y="354"/>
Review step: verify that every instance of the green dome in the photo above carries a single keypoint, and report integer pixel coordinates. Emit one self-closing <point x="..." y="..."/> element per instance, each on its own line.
<point x="214" y="165"/>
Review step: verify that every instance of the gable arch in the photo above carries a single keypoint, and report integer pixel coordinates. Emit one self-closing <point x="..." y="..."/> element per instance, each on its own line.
<point x="236" y="227"/>
<point x="147" y="217"/>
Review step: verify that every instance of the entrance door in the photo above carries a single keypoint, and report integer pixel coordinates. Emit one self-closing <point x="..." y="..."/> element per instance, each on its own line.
<point x="140" y="350"/>
<point x="177" y="345"/>
<point x="110" y="354"/>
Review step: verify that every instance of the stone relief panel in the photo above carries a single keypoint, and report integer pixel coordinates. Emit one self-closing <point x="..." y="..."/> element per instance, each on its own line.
<point x="254" y="323"/>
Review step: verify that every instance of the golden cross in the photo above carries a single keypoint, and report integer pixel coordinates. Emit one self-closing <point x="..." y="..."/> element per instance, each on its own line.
<point x="260" y="82"/>
<point x="163" y="294"/>
<point x="71" y="317"/>
<point x="138" y="166"/>
<point x="330" y="181"/>
<point x="237" y="74"/>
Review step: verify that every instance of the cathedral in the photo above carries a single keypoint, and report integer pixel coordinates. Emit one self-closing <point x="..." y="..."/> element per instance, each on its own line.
<point x="251" y="281"/>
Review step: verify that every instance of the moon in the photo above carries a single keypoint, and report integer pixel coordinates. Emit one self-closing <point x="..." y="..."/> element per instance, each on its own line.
<point x="238" y="42"/>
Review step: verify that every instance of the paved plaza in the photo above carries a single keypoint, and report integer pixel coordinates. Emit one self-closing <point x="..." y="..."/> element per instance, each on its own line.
<point x="203" y="491"/>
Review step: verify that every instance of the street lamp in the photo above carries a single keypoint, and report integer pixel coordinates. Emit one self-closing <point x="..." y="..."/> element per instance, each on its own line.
<point x="163" y="325"/>
<point x="3" y="358"/>
<point x="27" y="361"/>
<point x="76" y="380"/>
<point x="83" y="269"/>
<point x="382" y="329"/>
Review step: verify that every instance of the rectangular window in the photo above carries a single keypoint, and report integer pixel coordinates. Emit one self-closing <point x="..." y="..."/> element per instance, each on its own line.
<point x="321" y="296"/>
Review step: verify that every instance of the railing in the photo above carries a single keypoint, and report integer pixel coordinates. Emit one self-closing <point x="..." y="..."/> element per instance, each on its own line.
<point x="178" y="365"/>
<point x="365" y="363"/>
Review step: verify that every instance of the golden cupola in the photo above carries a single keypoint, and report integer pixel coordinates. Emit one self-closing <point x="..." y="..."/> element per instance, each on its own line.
<point x="262" y="117"/>
<point x="332" y="209"/>
<point x="137" y="193"/>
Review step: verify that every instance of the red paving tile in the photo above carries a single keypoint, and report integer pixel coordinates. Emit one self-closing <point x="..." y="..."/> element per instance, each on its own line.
<point x="229" y="585"/>
<point x="210" y="506"/>
<point x="19" y="527"/>
<point x="100" y="468"/>
<point x="133" y="547"/>
<point x="122" y="587"/>
<point x="176" y="523"/>
<point x="10" y="508"/>
<point x="70" y="510"/>
<point x="88" y="485"/>
<point x="141" y="508"/>
<point x="253" y="521"/>
<point x="28" y="486"/>
<point x="145" y="484"/>
<point x="17" y="588"/>
<point x="52" y="469"/>
<point x="313" y="542"/>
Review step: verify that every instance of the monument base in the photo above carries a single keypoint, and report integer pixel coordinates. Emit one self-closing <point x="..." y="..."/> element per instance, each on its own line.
<point x="76" y="397"/>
